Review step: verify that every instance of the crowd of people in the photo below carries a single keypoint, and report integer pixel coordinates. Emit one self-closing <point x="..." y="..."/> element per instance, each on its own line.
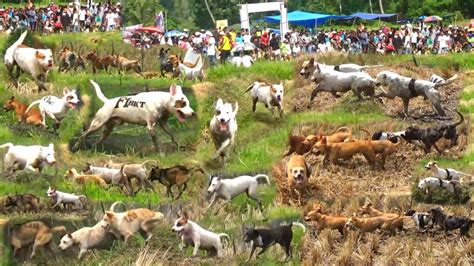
<point x="62" y="18"/>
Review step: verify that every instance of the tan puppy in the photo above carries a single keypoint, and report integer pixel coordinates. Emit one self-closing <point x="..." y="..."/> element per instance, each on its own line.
<point x="85" y="238"/>
<point x="84" y="178"/>
<point x="298" y="171"/>
<point x="341" y="134"/>
<point x="128" y="223"/>
<point x="326" y="221"/>
<point x="345" y="150"/>
<point x="32" y="117"/>
<point x="125" y="64"/>
<point x="35" y="232"/>
<point x="373" y="223"/>
<point x="385" y="148"/>
<point x="373" y="212"/>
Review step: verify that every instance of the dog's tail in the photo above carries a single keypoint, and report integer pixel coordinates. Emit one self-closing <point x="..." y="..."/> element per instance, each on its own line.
<point x="251" y="86"/>
<point x="99" y="93"/>
<point x="112" y="207"/>
<point x="264" y="176"/>
<point x="236" y="108"/>
<point x="227" y="237"/>
<point x="8" y="145"/>
<point x="299" y="224"/>
<point x="19" y="41"/>
<point x="157" y="217"/>
<point x="369" y="135"/>
<point x="446" y="82"/>
<point x="341" y="129"/>
<point x="372" y="66"/>
<point x="461" y="120"/>
<point x="31" y="105"/>
<point x="59" y="229"/>
<point x="196" y="169"/>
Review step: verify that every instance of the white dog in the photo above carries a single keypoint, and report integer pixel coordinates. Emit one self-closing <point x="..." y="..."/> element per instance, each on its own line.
<point x="430" y="183"/>
<point x="54" y="107"/>
<point x="308" y="67"/>
<point x="244" y="61"/>
<point x="59" y="197"/>
<point x="35" y="157"/>
<point x="194" y="235"/>
<point x="146" y="108"/>
<point x="335" y="81"/>
<point x="85" y="238"/>
<point x="36" y="62"/>
<point x="227" y="189"/>
<point x="270" y="95"/>
<point x="407" y="88"/>
<point x="445" y="173"/>
<point x="110" y="175"/>
<point x="223" y="128"/>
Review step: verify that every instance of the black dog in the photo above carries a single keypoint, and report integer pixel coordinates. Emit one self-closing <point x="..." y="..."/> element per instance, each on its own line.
<point x="265" y="238"/>
<point x="23" y="202"/>
<point x="449" y="223"/>
<point x="429" y="136"/>
<point x="421" y="219"/>
<point x="168" y="63"/>
<point x="177" y="175"/>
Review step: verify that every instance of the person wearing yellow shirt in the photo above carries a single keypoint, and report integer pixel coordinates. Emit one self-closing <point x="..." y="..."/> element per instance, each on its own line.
<point x="224" y="47"/>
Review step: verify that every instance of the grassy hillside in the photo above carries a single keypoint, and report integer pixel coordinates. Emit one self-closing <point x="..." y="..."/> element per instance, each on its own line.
<point x="261" y="141"/>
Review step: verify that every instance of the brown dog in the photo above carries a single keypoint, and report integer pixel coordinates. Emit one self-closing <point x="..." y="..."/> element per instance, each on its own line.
<point x="150" y="74"/>
<point x="125" y="64"/>
<point x="83" y="178"/>
<point x="373" y="223"/>
<point x="345" y="150"/>
<point x="296" y="145"/>
<point x="383" y="147"/>
<point x="100" y="62"/>
<point x="326" y="221"/>
<point x="373" y="212"/>
<point x="23" y="202"/>
<point x="341" y="134"/>
<point x="33" y="117"/>
<point x="177" y="175"/>
<point x="297" y="171"/>
<point x="35" y="232"/>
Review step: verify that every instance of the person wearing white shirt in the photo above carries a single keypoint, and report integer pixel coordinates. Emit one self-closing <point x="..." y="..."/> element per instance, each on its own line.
<point x="211" y="49"/>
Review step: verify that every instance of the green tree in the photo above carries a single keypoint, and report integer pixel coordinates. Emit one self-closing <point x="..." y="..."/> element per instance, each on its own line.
<point x="141" y="11"/>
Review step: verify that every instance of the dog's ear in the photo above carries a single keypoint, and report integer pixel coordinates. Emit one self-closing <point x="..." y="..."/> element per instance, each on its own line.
<point x="109" y="214"/>
<point x="369" y="204"/>
<point x="309" y="169"/>
<point x="175" y="90"/>
<point x="69" y="235"/>
<point x="324" y="141"/>
<point x="273" y="89"/>
<point x="318" y="68"/>
<point x="12" y="98"/>
<point x="185" y="214"/>
<point x="435" y="163"/>
<point x="65" y="91"/>
<point x="51" y="146"/>
<point x="219" y="103"/>
<point x="311" y="61"/>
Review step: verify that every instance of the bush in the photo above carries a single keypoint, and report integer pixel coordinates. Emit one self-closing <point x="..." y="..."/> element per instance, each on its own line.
<point x="441" y="195"/>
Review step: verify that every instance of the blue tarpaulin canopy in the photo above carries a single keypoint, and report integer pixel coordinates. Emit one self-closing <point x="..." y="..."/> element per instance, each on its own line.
<point x="370" y="16"/>
<point x="301" y="18"/>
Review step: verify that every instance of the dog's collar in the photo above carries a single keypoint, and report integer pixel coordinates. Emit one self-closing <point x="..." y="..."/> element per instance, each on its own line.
<point x="411" y="87"/>
<point x="337" y="68"/>
<point x="440" y="182"/>
<point x="448" y="175"/>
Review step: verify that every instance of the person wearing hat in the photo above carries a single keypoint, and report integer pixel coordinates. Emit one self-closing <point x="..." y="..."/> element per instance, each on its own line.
<point x="224" y="47"/>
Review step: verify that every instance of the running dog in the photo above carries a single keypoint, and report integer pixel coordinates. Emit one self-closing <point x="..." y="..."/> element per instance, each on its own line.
<point x="168" y="63"/>
<point x="308" y="67"/>
<point x="223" y="127"/>
<point x="100" y="62"/>
<point x="326" y="221"/>
<point x="146" y="108"/>
<point x="270" y="95"/>
<point x="445" y="173"/>
<point x="110" y="176"/>
<point x="450" y="223"/>
<point x="59" y="198"/>
<point x="429" y="136"/>
<point x="373" y="223"/>
<point x="56" y="108"/>
<point x="85" y="238"/>
<point x="35" y="157"/>
<point x="177" y="175"/>
<point x="194" y="235"/>
<point x="407" y="88"/>
<point x="227" y="189"/>
<point x="23" y="202"/>
<point x="334" y="82"/>
<point x="342" y="134"/>
<point x="387" y="135"/>
<point x="130" y="222"/>
<point x="422" y="220"/>
<point x="345" y="150"/>
<point x="125" y="64"/>
<point x="32" y="117"/>
<point x="84" y="178"/>
<point x="136" y="170"/>
<point x="36" y="62"/>
<point x="267" y="237"/>
<point x="384" y="148"/>
<point x="431" y="183"/>
<point x="35" y="232"/>
<point x="298" y="171"/>
<point x="373" y="212"/>
<point x="67" y="60"/>
<point x="296" y="145"/>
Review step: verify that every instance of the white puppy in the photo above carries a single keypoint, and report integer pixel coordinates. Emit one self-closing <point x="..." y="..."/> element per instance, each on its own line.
<point x="36" y="62"/>
<point x="334" y="82"/>
<point x="407" y="88"/>
<point x="228" y="189"/>
<point x="430" y="183"/>
<point x="59" y="197"/>
<point x="270" y="95"/>
<point x="85" y="238"/>
<point x="35" y="157"/>
<point x="308" y="67"/>
<point x="194" y="235"/>
<point x="223" y="127"/>
<point x="56" y="108"/>
<point x="445" y="173"/>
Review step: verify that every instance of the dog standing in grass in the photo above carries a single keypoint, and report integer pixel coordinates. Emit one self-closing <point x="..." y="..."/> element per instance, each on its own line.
<point x="223" y="128"/>
<point x="270" y="95"/>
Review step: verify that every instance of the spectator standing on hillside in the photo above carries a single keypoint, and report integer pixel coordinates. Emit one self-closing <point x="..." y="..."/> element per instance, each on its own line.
<point x="224" y="47"/>
<point x="211" y="48"/>
<point x="76" y="26"/>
